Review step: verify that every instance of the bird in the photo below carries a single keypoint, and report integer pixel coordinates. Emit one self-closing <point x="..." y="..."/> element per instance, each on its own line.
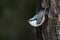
<point x="38" y="19"/>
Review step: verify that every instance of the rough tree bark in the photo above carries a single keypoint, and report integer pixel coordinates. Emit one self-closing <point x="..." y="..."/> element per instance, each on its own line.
<point x="50" y="28"/>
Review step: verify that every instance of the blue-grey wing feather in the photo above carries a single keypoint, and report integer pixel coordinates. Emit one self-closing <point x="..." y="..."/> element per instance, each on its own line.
<point x="39" y="17"/>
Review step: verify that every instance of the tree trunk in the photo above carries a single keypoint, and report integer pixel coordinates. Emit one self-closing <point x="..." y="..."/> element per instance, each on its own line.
<point x="51" y="27"/>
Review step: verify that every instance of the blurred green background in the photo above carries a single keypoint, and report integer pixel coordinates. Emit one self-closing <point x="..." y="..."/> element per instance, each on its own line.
<point x="13" y="19"/>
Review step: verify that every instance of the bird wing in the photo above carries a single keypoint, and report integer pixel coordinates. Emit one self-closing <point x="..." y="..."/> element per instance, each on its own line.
<point x="39" y="18"/>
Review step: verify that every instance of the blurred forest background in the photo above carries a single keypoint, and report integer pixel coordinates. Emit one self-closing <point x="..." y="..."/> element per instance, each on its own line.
<point x="13" y="19"/>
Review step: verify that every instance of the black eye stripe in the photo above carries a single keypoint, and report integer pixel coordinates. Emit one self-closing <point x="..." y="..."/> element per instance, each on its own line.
<point x="35" y="19"/>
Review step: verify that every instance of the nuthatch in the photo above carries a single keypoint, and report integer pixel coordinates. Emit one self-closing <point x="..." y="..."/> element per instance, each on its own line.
<point x="38" y="19"/>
